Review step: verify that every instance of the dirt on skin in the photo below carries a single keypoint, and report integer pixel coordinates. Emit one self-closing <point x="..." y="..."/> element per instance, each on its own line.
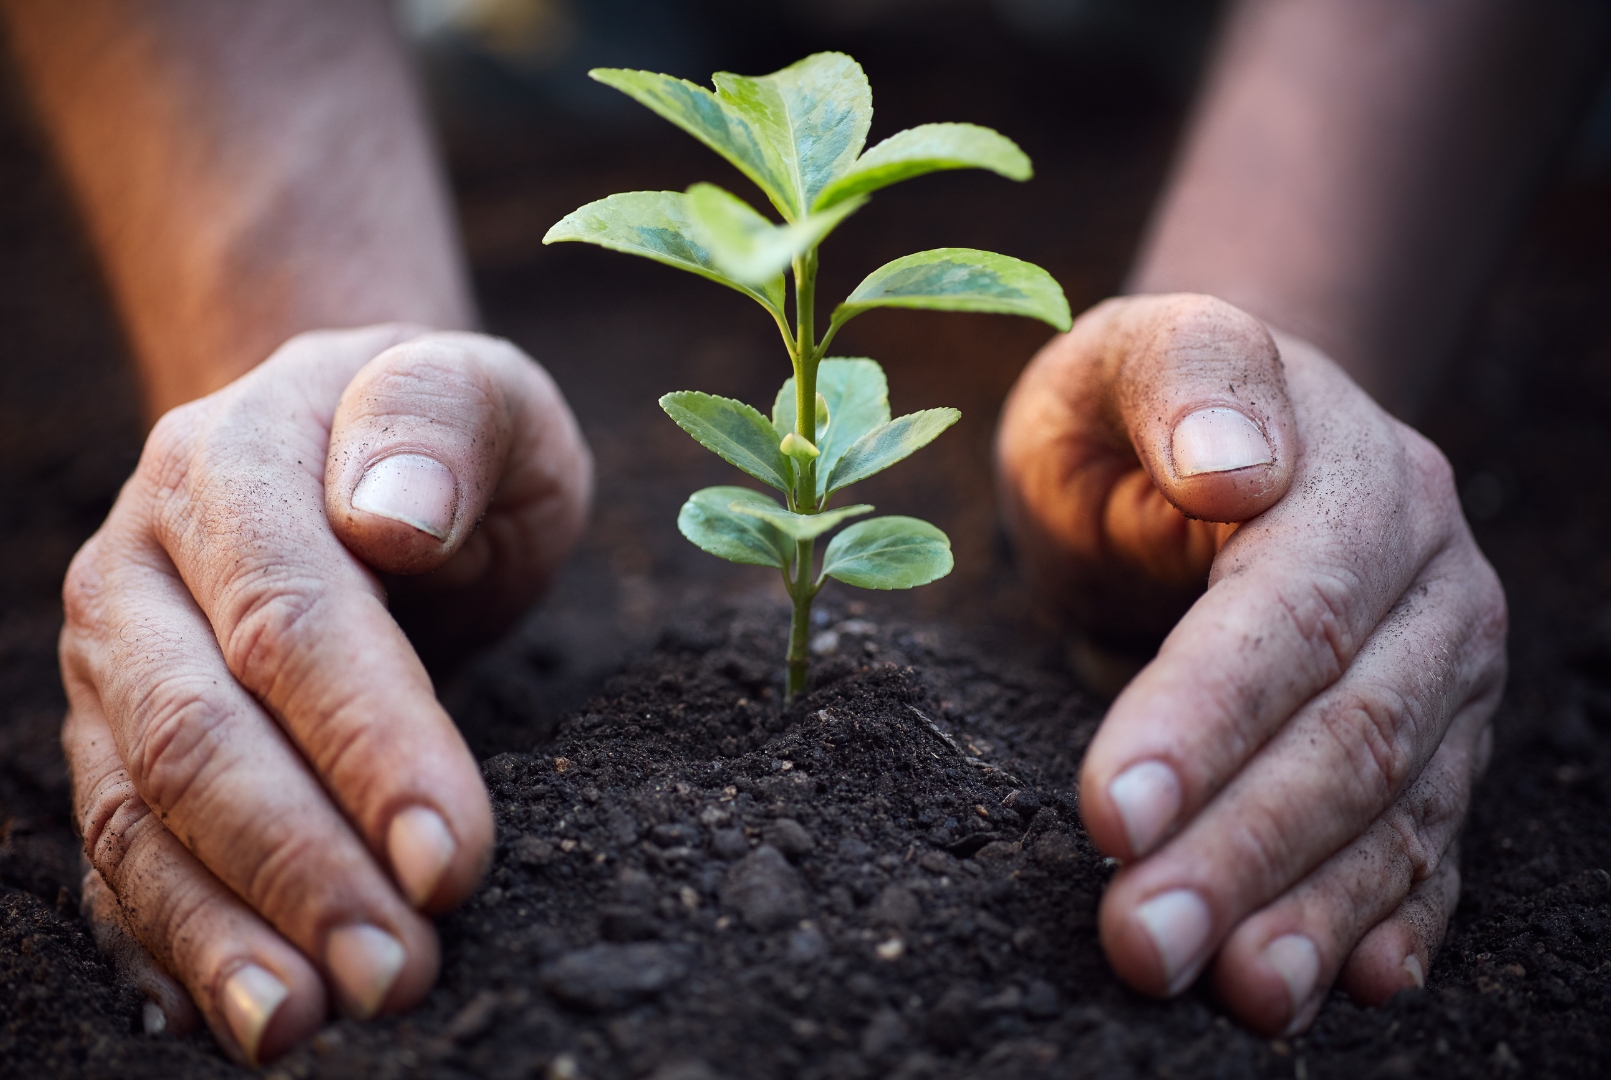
<point x="887" y="878"/>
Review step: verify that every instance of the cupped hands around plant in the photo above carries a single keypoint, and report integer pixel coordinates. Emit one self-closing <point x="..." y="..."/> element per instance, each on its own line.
<point x="799" y="135"/>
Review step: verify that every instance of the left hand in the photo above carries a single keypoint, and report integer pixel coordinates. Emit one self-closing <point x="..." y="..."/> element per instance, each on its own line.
<point x="271" y="797"/>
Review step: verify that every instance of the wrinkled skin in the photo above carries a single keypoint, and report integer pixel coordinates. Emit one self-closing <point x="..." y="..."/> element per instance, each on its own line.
<point x="247" y="721"/>
<point x="1319" y="712"/>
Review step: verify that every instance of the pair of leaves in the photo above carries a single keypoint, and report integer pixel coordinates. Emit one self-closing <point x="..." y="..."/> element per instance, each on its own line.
<point x="661" y="225"/>
<point x="792" y="132"/>
<point x="747" y="247"/>
<point x="745" y="526"/>
<point x="860" y="439"/>
<point x="798" y="134"/>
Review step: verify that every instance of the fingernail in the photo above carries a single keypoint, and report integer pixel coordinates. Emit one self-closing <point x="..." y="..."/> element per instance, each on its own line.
<point x="1412" y="966"/>
<point x="1218" y="440"/>
<point x="251" y="997"/>
<point x="1295" y="958"/>
<point x="1178" y="923"/>
<point x="421" y="847"/>
<point x="410" y="488"/>
<point x="152" y="1019"/>
<point x="364" y="961"/>
<point x="1148" y="798"/>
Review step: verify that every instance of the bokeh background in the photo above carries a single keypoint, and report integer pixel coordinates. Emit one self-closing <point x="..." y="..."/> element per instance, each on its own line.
<point x="1096" y="91"/>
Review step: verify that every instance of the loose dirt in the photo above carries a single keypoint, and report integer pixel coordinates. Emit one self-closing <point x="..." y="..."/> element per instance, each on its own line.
<point x="887" y="878"/>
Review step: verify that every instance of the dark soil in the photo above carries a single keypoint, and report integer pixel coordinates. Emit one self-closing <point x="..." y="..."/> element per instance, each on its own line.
<point x="887" y="878"/>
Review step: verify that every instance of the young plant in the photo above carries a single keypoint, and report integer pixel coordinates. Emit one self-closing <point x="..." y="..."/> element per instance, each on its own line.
<point x="798" y="134"/>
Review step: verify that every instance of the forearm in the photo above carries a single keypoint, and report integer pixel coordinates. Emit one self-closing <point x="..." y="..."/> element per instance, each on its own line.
<point x="1355" y="166"/>
<point x="247" y="171"/>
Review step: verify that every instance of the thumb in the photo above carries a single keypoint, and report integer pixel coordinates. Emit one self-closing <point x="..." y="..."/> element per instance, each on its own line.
<point x="1200" y="389"/>
<point x="434" y="434"/>
<point x="1127" y="448"/>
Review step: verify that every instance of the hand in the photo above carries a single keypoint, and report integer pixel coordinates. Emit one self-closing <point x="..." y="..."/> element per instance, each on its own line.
<point x="262" y="774"/>
<point x="1286" y="780"/>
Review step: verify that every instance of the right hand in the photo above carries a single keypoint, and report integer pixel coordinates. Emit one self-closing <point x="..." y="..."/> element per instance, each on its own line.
<point x="269" y="793"/>
<point x="1285" y="781"/>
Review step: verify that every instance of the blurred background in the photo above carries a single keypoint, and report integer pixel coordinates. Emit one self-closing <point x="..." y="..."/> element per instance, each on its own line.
<point x="1096" y="91"/>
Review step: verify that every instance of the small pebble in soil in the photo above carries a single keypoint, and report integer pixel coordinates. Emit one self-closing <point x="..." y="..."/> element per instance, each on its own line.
<point x="789" y="837"/>
<point x="729" y="844"/>
<point x="766" y="890"/>
<point x="609" y="976"/>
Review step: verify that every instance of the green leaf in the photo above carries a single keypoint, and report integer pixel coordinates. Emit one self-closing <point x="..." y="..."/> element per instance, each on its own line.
<point x="715" y="121"/>
<point x="813" y="114"/>
<point x="656" y="225"/>
<point x="925" y="149"/>
<point x="858" y="401"/>
<point x="800" y="526"/>
<point x="746" y="246"/>
<point x="708" y="519"/>
<point x="885" y="445"/>
<point x="960" y="279"/>
<point x="735" y="432"/>
<point x="888" y="553"/>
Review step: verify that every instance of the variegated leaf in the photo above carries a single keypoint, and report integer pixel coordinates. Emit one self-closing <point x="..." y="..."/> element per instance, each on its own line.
<point x="858" y="401"/>
<point x="716" y="122"/>
<point x="709" y="521"/>
<point x="961" y="279"/>
<point x="888" y="553"/>
<point x="656" y="225"/>
<point x="885" y="445"/>
<point x="925" y="149"/>
<point x="746" y="246"/>
<point x="814" y="114"/>
<point x="800" y="526"/>
<point x="735" y="432"/>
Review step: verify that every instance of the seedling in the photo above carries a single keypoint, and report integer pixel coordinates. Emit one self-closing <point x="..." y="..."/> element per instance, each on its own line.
<point x="798" y="134"/>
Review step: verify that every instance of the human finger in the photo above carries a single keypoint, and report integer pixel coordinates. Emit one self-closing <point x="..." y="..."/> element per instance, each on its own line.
<point x="232" y="490"/>
<point x="257" y="993"/>
<point x="168" y="1007"/>
<point x="1397" y="953"/>
<point x="1375" y="909"/>
<point x="1129" y="438"/>
<point x="198" y="750"/>
<point x="1339" y="763"/>
<point x="1292" y="598"/>
<point x="438" y="433"/>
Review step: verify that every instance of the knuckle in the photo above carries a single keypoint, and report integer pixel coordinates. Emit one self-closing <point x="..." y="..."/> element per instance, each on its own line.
<point x="263" y="638"/>
<point x="1369" y="731"/>
<point x="1263" y="850"/>
<point x="428" y="376"/>
<point x="1410" y="847"/>
<point x="1492" y="621"/>
<point x="171" y="446"/>
<point x="1432" y="476"/>
<point x="178" y="740"/>
<point x="1206" y="326"/>
<point x="190" y="915"/>
<point x="114" y="818"/>
<point x="1320" y="612"/>
<point x="84" y="586"/>
<point x="280" y="883"/>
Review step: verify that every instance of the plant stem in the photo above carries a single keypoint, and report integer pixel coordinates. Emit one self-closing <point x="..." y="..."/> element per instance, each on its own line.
<point x="805" y="373"/>
<point x="801" y="592"/>
<point x="805" y="359"/>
